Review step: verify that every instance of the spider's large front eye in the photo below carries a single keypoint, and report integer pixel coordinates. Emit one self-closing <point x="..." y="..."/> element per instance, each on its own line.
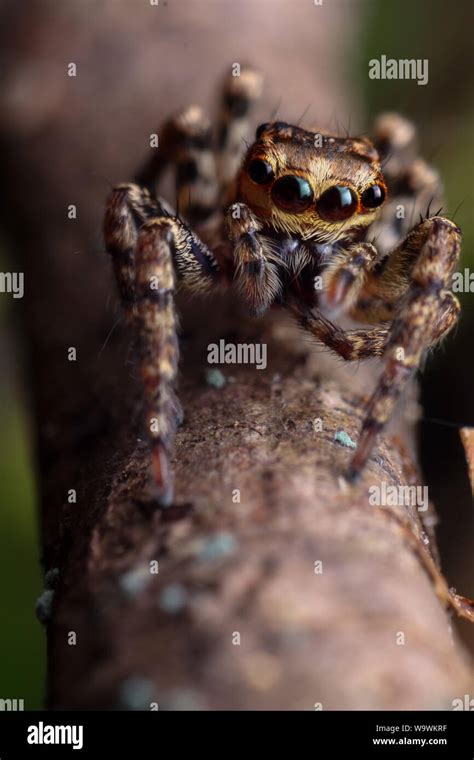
<point x="374" y="196"/>
<point x="337" y="203"/>
<point x="292" y="193"/>
<point x="260" y="171"/>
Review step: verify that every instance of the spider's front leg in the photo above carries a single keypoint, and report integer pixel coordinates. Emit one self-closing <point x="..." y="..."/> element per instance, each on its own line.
<point x="150" y="252"/>
<point x="157" y="345"/>
<point x="426" y="312"/>
<point x="350" y="345"/>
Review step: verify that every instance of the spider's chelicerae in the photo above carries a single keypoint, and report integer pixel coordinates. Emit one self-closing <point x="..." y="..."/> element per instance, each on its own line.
<point x="300" y="207"/>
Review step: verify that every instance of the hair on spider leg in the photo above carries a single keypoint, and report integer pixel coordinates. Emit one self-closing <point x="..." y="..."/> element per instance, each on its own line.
<point x="96" y="249"/>
<point x="109" y="335"/>
<point x="386" y="159"/>
<point x="427" y="214"/>
<point x="347" y="130"/>
<point x="446" y="423"/>
<point x="164" y="211"/>
<point x="460" y="204"/>
<point x="334" y="120"/>
<point x="349" y="125"/>
<point x="428" y="209"/>
<point x="273" y="114"/>
<point x="109" y="294"/>
<point x="177" y="206"/>
<point x="297" y="124"/>
<point x="412" y="214"/>
<point x="340" y="131"/>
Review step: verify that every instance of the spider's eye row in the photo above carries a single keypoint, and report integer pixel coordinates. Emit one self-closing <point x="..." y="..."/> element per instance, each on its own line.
<point x="337" y="203"/>
<point x="292" y="193"/>
<point x="374" y="196"/>
<point x="261" y="129"/>
<point x="260" y="171"/>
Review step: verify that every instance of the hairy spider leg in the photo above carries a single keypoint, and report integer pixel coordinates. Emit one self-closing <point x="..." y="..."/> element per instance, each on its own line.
<point x="150" y="254"/>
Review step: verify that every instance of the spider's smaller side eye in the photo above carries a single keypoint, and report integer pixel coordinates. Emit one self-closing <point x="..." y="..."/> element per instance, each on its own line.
<point x="374" y="196"/>
<point x="261" y="129"/>
<point x="260" y="171"/>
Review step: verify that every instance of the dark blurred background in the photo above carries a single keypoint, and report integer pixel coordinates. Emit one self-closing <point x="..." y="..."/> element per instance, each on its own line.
<point x="443" y="111"/>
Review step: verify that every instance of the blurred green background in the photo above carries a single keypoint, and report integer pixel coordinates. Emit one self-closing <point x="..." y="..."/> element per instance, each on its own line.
<point x="444" y="112"/>
<point x="22" y="640"/>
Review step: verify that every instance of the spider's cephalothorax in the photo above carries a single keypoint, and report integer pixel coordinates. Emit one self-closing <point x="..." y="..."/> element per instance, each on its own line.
<point x="310" y="186"/>
<point x="300" y="208"/>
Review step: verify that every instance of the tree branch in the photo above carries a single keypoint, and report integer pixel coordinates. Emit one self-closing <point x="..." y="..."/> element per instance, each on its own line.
<point x="295" y="591"/>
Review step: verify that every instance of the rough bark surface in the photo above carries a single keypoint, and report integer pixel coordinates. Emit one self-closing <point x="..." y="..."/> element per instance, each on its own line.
<point x="226" y="567"/>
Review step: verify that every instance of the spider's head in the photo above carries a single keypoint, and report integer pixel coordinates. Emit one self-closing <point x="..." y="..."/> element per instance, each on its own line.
<point x="310" y="185"/>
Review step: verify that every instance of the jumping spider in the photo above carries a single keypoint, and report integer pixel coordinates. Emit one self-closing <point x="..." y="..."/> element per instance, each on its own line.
<point x="298" y="206"/>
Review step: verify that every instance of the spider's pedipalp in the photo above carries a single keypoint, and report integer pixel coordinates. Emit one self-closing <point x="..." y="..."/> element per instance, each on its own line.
<point x="345" y="276"/>
<point x="391" y="277"/>
<point x="255" y="275"/>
